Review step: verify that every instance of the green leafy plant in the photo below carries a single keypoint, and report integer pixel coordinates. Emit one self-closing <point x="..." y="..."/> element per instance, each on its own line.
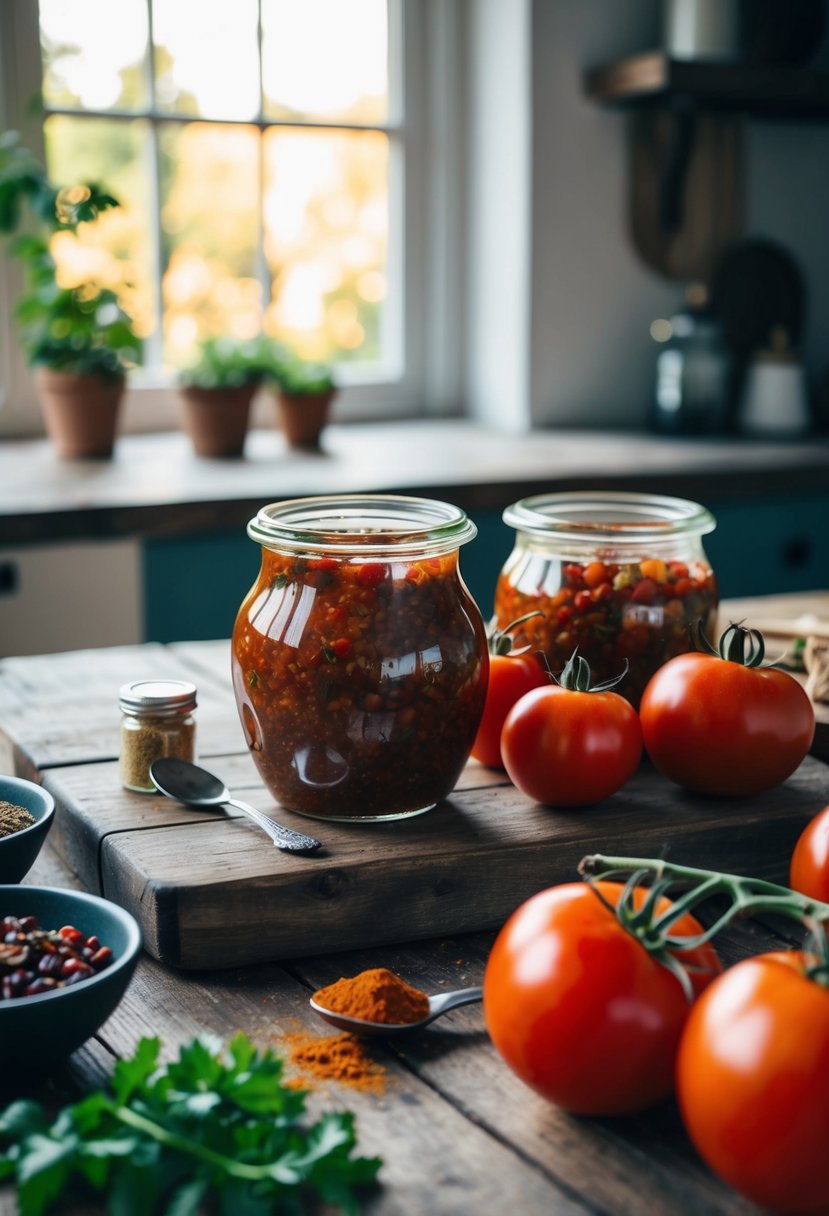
<point x="293" y="375"/>
<point x="225" y="363"/>
<point x="215" y="1130"/>
<point x="82" y="329"/>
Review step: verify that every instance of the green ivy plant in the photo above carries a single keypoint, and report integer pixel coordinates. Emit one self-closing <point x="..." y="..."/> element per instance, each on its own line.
<point x="81" y="329"/>
<point x="287" y="371"/>
<point x="225" y="363"/>
<point x="298" y="378"/>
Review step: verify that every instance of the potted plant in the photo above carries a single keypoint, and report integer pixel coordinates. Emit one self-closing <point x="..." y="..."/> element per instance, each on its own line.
<point x="80" y="340"/>
<point x="217" y="391"/>
<point x="304" y="392"/>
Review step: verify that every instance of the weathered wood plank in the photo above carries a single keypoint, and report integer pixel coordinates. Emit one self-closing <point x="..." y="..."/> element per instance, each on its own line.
<point x="408" y="1124"/>
<point x="623" y="1165"/>
<point x="208" y="891"/>
<point x="63" y="708"/>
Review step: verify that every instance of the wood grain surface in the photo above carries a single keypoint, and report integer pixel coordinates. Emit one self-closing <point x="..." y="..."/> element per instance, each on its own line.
<point x="458" y="1133"/>
<point x="209" y="890"/>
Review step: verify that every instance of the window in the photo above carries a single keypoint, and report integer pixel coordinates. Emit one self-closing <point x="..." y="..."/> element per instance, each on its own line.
<point x="269" y="156"/>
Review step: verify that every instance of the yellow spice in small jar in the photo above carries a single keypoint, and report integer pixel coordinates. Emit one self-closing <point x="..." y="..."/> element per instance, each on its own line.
<point x="156" y="721"/>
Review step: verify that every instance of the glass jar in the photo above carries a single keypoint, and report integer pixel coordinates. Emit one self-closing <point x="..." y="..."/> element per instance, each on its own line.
<point x="622" y="577"/>
<point x="359" y="657"/>
<point x="156" y="720"/>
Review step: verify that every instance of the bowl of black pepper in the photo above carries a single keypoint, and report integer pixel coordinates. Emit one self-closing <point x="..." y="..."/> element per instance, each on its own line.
<point x="26" y="814"/>
<point x="66" y="959"/>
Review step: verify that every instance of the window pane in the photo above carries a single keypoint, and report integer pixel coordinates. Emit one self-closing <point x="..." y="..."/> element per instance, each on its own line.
<point x="326" y="234"/>
<point x="94" y="54"/>
<point x="325" y="60"/>
<point x="115" y="251"/>
<point x="210" y="231"/>
<point x="206" y="58"/>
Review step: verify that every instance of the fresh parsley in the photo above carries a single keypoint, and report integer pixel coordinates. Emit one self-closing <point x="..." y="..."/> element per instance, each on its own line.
<point x="213" y="1131"/>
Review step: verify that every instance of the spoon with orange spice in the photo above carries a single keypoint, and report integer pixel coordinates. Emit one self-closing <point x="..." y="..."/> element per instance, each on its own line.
<point x="378" y="1002"/>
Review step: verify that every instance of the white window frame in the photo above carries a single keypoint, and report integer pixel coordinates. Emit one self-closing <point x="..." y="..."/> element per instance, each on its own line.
<point x="426" y="36"/>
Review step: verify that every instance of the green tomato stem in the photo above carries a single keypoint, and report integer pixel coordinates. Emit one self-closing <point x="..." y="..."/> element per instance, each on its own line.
<point x="748" y="897"/>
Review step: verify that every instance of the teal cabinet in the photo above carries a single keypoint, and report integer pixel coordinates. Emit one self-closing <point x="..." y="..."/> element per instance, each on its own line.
<point x="193" y="585"/>
<point x="767" y="547"/>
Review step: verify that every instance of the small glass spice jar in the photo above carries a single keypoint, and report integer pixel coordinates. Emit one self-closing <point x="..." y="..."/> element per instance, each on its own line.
<point x="622" y="577"/>
<point x="156" y="720"/>
<point x="359" y="658"/>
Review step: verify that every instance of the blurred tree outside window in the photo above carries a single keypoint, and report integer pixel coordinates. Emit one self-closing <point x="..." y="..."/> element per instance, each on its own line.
<point x="252" y="147"/>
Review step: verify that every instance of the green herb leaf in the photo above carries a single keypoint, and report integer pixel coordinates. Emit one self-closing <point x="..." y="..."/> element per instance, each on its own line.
<point x="217" y="1121"/>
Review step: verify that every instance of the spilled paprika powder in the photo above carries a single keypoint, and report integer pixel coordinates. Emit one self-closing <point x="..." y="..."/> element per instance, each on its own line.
<point x="376" y="995"/>
<point x="339" y="1057"/>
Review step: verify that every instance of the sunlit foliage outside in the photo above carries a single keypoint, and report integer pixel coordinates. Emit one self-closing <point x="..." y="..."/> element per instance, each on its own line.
<point x="234" y="227"/>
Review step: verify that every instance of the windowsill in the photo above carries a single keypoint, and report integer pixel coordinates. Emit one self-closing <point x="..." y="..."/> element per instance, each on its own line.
<point x="155" y="485"/>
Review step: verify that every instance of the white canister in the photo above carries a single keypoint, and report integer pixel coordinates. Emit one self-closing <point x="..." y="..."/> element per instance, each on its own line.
<point x="774" y="399"/>
<point x="703" y="29"/>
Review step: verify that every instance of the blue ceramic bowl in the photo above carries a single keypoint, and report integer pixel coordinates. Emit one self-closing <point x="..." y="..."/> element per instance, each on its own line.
<point x="36" y="1031"/>
<point x="18" y="851"/>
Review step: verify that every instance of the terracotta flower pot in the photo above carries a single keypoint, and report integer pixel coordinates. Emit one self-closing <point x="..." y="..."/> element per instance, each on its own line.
<point x="302" y="416"/>
<point x="80" y="411"/>
<point x="216" y="419"/>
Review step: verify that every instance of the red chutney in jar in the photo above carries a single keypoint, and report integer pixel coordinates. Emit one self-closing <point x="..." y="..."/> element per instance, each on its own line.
<point x="360" y="680"/>
<point x="618" y="590"/>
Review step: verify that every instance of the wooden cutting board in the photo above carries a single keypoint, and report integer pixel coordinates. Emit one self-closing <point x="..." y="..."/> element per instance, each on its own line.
<point x="210" y="892"/>
<point x="799" y="614"/>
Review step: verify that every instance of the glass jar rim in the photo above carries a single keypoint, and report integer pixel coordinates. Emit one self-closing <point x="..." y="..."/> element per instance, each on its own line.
<point x="353" y="524"/>
<point x="609" y="516"/>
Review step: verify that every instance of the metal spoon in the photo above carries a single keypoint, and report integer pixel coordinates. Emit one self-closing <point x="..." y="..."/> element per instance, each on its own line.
<point x="442" y="1003"/>
<point x="196" y="787"/>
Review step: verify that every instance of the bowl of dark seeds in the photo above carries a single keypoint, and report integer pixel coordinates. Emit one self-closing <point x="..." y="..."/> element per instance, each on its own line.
<point x="26" y="813"/>
<point x="66" y="959"/>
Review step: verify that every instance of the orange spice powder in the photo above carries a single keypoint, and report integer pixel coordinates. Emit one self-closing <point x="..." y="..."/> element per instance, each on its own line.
<point x="339" y="1057"/>
<point x="377" y="995"/>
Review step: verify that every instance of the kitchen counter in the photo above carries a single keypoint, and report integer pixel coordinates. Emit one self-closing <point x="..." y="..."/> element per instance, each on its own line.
<point x="148" y="532"/>
<point x="156" y="486"/>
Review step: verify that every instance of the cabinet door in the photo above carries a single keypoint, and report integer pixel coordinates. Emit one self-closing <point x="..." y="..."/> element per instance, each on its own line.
<point x="70" y="597"/>
<point x="771" y="545"/>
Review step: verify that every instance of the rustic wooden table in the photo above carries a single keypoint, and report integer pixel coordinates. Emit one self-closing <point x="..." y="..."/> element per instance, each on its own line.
<point x="457" y="1131"/>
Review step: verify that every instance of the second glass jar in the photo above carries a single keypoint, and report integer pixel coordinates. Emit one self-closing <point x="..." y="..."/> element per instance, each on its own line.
<point x="622" y="577"/>
<point x="359" y="657"/>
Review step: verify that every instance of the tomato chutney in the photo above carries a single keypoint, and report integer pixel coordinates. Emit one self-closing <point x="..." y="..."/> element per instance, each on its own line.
<point x="359" y="657"/>
<point x="621" y="577"/>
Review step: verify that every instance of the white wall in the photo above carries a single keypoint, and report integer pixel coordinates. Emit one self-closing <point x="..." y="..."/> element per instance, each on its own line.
<point x="592" y="299"/>
<point x="499" y="210"/>
<point x="586" y="356"/>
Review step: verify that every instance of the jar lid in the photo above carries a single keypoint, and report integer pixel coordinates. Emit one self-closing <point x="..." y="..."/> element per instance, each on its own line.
<point x="377" y="524"/>
<point x="609" y="517"/>
<point x="159" y="696"/>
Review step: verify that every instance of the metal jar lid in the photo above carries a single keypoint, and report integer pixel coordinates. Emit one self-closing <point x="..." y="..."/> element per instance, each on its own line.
<point x="157" y="696"/>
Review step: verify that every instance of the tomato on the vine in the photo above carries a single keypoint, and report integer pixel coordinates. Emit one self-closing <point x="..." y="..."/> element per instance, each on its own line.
<point x="751" y="1081"/>
<point x="569" y="745"/>
<point x="510" y="676"/>
<point x="719" y="723"/>
<point x="809" y="866"/>
<point x="580" y="1009"/>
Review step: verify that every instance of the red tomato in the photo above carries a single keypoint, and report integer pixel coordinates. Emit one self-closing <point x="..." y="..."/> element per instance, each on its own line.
<point x="719" y="727"/>
<point x="568" y="748"/>
<point x="751" y="1082"/>
<point x="510" y="676"/>
<point x="579" y="1009"/>
<point x="809" y="868"/>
